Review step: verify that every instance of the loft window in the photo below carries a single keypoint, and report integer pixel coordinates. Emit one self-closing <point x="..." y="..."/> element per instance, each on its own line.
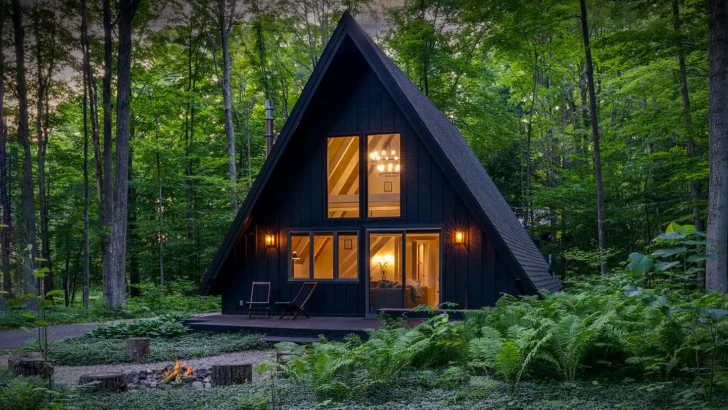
<point x="324" y="256"/>
<point x="342" y="168"/>
<point x="383" y="175"/>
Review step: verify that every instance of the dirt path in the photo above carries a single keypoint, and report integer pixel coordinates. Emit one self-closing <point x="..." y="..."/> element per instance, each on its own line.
<point x="10" y="339"/>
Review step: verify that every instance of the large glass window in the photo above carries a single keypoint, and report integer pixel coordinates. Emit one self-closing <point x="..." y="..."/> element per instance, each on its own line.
<point x="324" y="256"/>
<point x="418" y="254"/>
<point x="348" y="256"/>
<point x="423" y="269"/>
<point x="343" y="177"/>
<point x="383" y="175"/>
<point x="300" y="251"/>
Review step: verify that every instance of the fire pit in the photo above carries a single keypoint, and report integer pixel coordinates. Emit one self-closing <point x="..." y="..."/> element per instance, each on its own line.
<point x="177" y="375"/>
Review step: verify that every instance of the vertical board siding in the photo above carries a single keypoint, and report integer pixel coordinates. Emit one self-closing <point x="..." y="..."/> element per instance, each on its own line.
<point x="354" y="102"/>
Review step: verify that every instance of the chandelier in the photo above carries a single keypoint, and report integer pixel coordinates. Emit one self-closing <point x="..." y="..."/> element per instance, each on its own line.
<point x="387" y="162"/>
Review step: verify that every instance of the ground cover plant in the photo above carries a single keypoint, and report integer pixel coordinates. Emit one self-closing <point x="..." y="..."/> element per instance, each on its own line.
<point x="91" y="350"/>
<point x="177" y="296"/>
<point x="414" y="391"/>
<point x="167" y="325"/>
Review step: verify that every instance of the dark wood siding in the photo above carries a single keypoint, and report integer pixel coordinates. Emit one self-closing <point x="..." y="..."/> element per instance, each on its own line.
<point x="352" y="101"/>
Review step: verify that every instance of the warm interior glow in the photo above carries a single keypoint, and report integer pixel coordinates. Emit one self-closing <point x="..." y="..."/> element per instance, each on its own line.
<point x="383" y="173"/>
<point x="343" y="177"/>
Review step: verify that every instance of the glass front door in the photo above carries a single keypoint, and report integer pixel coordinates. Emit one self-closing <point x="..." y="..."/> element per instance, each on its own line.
<point x="404" y="270"/>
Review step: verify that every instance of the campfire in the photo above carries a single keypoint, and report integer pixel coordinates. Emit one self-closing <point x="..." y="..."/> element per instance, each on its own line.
<point x="177" y="375"/>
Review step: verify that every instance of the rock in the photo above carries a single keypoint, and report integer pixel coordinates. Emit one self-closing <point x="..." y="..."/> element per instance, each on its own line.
<point x="208" y="385"/>
<point x="164" y="386"/>
<point x="197" y="385"/>
<point x="105" y="381"/>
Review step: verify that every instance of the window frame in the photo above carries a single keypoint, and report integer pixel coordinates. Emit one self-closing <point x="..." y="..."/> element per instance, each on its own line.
<point x="364" y="177"/>
<point x="335" y="234"/>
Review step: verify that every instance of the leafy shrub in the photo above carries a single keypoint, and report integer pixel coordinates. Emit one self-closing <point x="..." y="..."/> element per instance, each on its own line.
<point x="164" y="326"/>
<point x="89" y="350"/>
<point x="30" y="393"/>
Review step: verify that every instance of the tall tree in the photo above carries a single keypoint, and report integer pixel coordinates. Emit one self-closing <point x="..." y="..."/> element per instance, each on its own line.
<point x="117" y="299"/>
<point x="45" y="29"/>
<point x="4" y="201"/>
<point x="27" y="196"/>
<point x="717" y="266"/>
<point x="601" y="211"/>
<point x="107" y="193"/>
<point x="86" y="92"/>
<point x="225" y="26"/>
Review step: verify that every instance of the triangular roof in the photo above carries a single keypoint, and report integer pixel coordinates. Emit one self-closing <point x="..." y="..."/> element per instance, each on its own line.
<point x="446" y="145"/>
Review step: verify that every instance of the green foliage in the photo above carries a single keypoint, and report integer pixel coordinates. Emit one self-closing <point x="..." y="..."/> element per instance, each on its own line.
<point x="30" y="393"/>
<point x="88" y="350"/>
<point x="164" y="326"/>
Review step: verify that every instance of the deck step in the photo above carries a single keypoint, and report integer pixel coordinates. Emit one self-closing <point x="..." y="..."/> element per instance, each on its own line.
<point x="278" y="339"/>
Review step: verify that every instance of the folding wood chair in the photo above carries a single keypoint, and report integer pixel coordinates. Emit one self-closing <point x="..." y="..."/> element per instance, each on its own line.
<point x="293" y="306"/>
<point x="259" y="305"/>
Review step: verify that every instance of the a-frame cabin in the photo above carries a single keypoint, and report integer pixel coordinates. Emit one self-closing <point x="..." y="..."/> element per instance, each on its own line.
<point x="373" y="193"/>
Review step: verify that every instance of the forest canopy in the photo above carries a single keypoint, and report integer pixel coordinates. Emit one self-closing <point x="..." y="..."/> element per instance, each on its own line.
<point x="163" y="102"/>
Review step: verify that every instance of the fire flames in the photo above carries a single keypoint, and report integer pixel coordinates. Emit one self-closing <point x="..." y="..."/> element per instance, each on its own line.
<point x="178" y="374"/>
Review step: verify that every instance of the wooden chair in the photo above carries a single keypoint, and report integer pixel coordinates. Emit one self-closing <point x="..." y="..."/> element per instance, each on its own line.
<point x="293" y="306"/>
<point x="260" y="305"/>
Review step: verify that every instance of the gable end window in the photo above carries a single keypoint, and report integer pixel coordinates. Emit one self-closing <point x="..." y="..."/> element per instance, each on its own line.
<point x="324" y="256"/>
<point x="342" y="177"/>
<point x="383" y="175"/>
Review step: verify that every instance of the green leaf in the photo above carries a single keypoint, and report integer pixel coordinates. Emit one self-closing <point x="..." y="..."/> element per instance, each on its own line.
<point x="716" y="313"/>
<point x="41" y="323"/>
<point x="663" y="266"/>
<point x="696" y="258"/>
<point x="671" y="236"/>
<point x="663" y="253"/>
<point x="28" y="315"/>
<point x="640" y="263"/>
<point x="673" y="227"/>
<point x="38" y="274"/>
<point x="693" y="242"/>
<point x="54" y="292"/>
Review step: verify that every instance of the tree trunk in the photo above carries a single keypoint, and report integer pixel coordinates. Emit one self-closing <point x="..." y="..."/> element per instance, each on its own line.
<point x="117" y="298"/>
<point x="105" y="381"/>
<point x="86" y="92"/>
<point x="595" y="138"/>
<point x="134" y="277"/>
<point x="717" y="266"/>
<point x="27" y="201"/>
<point x="43" y="84"/>
<point x="137" y="348"/>
<point x="231" y="374"/>
<point x="30" y="364"/>
<point x="527" y="193"/>
<point x="225" y="28"/>
<point x="160" y="209"/>
<point x="4" y="199"/>
<point x="107" y="193"/>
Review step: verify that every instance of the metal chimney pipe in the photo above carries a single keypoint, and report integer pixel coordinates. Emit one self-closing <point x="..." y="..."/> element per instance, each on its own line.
<point x="268" y="127"/>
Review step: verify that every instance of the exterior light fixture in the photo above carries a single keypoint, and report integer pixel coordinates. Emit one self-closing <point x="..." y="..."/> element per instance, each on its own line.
<point x="459" y="237"/>
<point x="270" y="241"/>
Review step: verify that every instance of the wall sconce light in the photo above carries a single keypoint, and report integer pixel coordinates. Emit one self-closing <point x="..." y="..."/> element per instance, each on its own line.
<point x="294" y="256"/>
<point x="270" y="241"/>
<point x="459" y="237"/>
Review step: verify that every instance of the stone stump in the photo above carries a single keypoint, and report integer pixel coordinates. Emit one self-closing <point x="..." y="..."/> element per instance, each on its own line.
<point x="30" y="364"/>
<point x="232" y="374"/>
<point x="281" y="356"/>
<point x="137" y="348"/>
<point x="105" y="381"/>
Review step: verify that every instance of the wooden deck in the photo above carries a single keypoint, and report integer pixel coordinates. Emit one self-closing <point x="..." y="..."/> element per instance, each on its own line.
<point x="335" y="328"/>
